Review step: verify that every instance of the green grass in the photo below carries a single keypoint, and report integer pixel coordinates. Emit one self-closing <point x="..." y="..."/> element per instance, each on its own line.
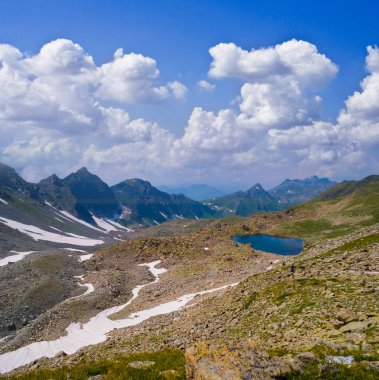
<point x="168" y="364"/>
<point x="335" y="372"/>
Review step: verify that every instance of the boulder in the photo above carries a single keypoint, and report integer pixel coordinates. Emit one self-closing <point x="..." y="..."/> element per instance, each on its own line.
<point x="347" y="316"/>
<point x="355" y="326"/>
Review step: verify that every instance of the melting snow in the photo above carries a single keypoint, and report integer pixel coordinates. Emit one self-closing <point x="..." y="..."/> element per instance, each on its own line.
<point x="38" y="234"/>
<point x="75" y="219"/>
<point x="74" y="250"/>
<point x="17" y="257"/>
<point x="96" y="329"/>
<point x="85" y="257"/>
<point x="104" y="224"/>
<point x="118" y="225"/>
<point x="89" y="286"/>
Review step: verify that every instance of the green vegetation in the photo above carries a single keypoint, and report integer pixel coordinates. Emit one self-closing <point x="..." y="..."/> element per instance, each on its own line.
<point x="167" y="364"/>
<point x="336" y="372"/>
<point x="337" y="212"/>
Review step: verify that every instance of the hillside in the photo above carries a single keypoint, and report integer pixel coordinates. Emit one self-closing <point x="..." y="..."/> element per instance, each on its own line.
<point x="251" y="317"/>
<point x="338" y="211"/>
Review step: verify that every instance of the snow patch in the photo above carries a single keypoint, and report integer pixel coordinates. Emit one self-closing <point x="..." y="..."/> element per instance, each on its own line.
<point x="75" y="219"/>
<point x="96" y="329"/>
<point x="74" y="250"/>
<point x="3" y="201"/>
<point x="118" y="225"/>
<point x="155" y="222"/>
<point x="39" y="234"/>
<point x="104" y="225"/>
<point x="85" y="257"/>
<point x="14" y="258"/>
<point x="89" y="286"/>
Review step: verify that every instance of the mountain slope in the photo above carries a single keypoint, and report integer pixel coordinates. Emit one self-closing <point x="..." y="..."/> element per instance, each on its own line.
<point x="271" y="322"/>
<point x="340" y="210"/>
<point x="92" y="195"/>
<point x="83" y="194"/>
<point x="145" y="204"/>
<point x="295" y="191"/>
<point x="197" y="192"/>
<point x="245" y="203"/>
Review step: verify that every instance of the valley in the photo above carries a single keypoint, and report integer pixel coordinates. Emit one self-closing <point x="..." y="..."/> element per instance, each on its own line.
<point x="186" y="297"/>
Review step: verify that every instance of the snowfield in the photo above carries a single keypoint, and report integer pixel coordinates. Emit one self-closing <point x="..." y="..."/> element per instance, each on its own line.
<point x="39" y="234"/>
<point x="96" y="329"/>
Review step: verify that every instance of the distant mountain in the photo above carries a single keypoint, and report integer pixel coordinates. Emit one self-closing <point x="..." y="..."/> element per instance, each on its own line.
<point x="294" y="191"/>
<point x="198" y="192"/>
<point x="145" y="204"/>
<point x="245" y="203"/>
<point x="83" y="194"/>
<point x="256" y="199"/>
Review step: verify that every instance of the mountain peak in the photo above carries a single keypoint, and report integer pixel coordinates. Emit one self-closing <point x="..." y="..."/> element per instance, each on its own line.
<point x="83" y="170"/>
<point x="255" y="188"/>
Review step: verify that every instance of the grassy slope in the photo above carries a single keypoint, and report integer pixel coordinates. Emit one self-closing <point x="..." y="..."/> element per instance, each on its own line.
<point x="337" y="212"/>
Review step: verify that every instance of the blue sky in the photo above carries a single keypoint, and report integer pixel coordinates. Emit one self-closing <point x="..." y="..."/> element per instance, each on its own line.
<point x="178" y="35"/>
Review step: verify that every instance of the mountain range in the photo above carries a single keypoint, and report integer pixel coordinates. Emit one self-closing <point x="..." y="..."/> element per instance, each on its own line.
<point x="136" y="203"/>
<point x="256" y="199"/>
<point x="81" y="211"/>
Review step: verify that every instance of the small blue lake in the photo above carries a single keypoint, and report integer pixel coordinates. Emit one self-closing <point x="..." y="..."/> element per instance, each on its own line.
<point x="272" y="244"/>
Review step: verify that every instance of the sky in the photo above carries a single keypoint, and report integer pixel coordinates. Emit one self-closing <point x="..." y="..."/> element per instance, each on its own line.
<point x="227" y="93"/>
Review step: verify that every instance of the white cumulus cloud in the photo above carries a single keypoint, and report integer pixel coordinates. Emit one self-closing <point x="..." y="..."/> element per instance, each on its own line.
<point x="59" y="110"/>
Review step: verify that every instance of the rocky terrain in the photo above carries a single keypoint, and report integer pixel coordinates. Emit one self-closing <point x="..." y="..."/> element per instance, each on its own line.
<point x="319" y="320"/>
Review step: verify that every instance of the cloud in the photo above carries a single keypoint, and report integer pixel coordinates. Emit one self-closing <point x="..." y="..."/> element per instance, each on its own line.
<point x="130" y="78"/>
<point x="178" y="89"/>
<point x="352" y="143"/>
<point x="203" y="84"/>
<point x="298" y="60"/>
<point x="59" y="111"/>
